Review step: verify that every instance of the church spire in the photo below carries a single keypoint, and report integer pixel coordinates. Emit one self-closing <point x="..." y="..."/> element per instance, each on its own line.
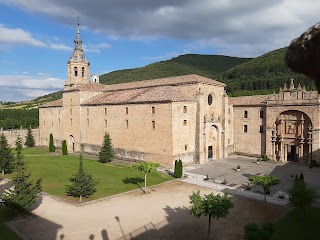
<point x="78" y="41"/>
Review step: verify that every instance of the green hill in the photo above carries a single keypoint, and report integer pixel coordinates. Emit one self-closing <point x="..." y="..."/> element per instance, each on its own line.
<point x="210" y="66"/>
<point x="262" y="75"/>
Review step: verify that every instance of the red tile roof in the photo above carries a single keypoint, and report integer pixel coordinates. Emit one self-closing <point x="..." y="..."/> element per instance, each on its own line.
<point x="56" y="103"/>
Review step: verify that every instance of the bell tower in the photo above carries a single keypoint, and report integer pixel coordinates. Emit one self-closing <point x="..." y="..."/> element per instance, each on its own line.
<point x="78" y="65"/>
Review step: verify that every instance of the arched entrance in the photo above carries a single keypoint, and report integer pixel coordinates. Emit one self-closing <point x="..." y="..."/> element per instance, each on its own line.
<point x="71" y="143"/>
<point x="213" y="143"/>
<point x="292" y="137"/>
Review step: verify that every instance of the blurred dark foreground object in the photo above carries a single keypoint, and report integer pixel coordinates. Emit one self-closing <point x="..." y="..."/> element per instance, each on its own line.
<point x="303" y="54"/>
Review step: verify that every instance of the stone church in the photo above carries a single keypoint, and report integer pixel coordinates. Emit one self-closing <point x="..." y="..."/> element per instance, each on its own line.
<point x="186" y="117"/>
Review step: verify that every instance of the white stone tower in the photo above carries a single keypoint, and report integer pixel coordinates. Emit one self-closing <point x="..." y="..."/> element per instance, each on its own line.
<point x="95" y="78"/>
<point x="78" y="65"/>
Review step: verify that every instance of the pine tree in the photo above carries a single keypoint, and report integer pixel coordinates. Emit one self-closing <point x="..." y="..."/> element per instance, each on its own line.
<point x="175" y="169"/>
<point x="51" y="144"/>
<point x="23" y="193"/>
<point x="82" y="184"/>
<point x="64" y="148"/>
<point x="106" y="154"/>
<point x="6" y="156"/>
<point x="30" y="142"/>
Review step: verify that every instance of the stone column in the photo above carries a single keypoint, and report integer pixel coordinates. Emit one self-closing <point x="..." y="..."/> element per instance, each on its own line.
<point x="310" y="144"/>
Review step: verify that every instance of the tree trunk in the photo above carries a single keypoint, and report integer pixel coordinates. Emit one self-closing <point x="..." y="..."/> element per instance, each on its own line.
<point x="209" y="227"/>
<point x="145" y="182"/>
<point x="2" y="172"/>
<point x="80" y="198"/>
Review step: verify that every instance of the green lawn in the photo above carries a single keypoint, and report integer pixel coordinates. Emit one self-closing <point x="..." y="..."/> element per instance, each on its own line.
<point x="295" y="226"/>
<point x="5" y="232"/>
<point x="55" y="172"/>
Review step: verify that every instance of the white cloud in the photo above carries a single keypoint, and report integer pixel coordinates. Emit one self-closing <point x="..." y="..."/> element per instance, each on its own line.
<point x="61" y="47"/>
<point x="21" y="87"/>
<point x="17" y="36"/>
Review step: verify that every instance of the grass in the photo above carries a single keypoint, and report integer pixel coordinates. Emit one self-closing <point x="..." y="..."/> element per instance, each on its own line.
<point x="55" y="172"/>
<point x="295" y="226"/>
<point x="6" y="233"/>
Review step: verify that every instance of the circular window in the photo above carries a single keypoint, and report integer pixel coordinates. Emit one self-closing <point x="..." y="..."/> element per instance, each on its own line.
<point x="210" y="99"/>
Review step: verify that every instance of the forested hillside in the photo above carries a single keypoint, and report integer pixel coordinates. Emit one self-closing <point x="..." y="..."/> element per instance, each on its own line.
<point x="16" y="118"/>
<point x="262" y="75"/>
<point x="210" y="66"/>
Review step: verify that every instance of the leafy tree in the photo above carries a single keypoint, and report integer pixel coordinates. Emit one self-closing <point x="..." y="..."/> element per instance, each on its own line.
<point x="266" y="182"/>
<point x="6" y="156"/>
<point x="106" y="154"/>
<point x="145" y="167"/>
<point x="30" y="142"/>
<point x="64" y="148"/>
<point x="213" y="206"/>
<point x="253" y="231"/>
<point x="51" y="144"/>
<point x="300" y="195"/>
<point x="23" y="193"/>
<point x="82" y="184"/>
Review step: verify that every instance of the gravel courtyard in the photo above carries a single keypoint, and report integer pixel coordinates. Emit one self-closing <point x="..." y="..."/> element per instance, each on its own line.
<point x="160" y="214"/>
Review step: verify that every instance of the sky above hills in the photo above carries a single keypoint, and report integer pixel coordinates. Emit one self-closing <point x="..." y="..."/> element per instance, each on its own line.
<point x="36" y="36"/>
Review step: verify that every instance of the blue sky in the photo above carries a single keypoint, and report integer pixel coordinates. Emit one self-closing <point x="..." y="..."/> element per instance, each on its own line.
<point x="36" y="36"/>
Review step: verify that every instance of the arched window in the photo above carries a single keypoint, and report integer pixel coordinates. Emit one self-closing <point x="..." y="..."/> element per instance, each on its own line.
<point x="75" y="71"/>
<point x="82" y="71"/>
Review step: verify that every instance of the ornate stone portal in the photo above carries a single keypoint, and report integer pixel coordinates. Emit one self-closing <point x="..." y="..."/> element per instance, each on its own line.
<point x="292" y="137"/>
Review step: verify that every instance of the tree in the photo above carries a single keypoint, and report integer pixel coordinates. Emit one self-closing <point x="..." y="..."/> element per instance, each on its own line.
<point x="178" y="168"/>
<point x="6" y="156"/>
<point x="300" y="195"/>
<point x="64" y="148"/>
<point x="82" y="184"/>
<point x="23" y="193"/>
<point x="106" y="154"/>
<point x="213" y="206"/>
<point x="30" y="142"/>
<point x="266" y="182"/>
<point x="51" y="144"/>
<point x="253" y="231"/>
<point x="145" y="167"/>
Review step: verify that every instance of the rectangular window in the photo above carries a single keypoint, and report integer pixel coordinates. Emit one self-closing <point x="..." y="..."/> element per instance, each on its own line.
<point x="52" y="124"/>
<point x="59" y="121"/>
<point x="59" y="111"/>
<point x="127" y="110"/>
<point x="261" y="129"/>
<point x="105" y="111"/>
<point x="186" y="147"/>
<point x="105" y="123"/>
<point x="87" y="122"/>
<point x="153" y="125"/>
<point x="87" y="111"/>
<point x="127" y="123"/>
<point x="185" y="122"/>
<point x="184" y="109"/>
<point x="229" y="121"/>
<point x="245" y="128"/>
<point x="228" y="140"/>
<point x="153" y="110"/>
<point x="71" y="111"/>
<point x="261" y="114"/>
<point x="71" y="122"/>
<point x="44" y="123"/>
<point x="51" y="111"/>
<point x="70" y="101"/>
<point x="245" y="115"/>
<point x="44" y="112"/>
<point x="229" y="110"/>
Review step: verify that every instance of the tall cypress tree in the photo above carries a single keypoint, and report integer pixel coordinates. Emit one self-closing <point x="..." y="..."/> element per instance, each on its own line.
<point x="106" y="154"/>
<point x="51" y="144"/>
<point x="64" y="148"/>
<point x="24" y="192"/>
<point x="30" y="142"/>
<point x="82" y="184"/>
<point x="6" y="156"/>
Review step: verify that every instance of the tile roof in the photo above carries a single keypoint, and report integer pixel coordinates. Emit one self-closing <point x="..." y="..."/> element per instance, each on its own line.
<point x="91" y="87"/>
<point x="56" y="103"/>
<point x="249" y="100"/>
<point x="142" y="95"/>
<point x="170" y="81"/>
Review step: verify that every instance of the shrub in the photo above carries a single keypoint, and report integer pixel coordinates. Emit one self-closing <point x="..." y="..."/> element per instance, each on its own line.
<point x="253" y="231"/>
<point x="178" y="168"/>
<point x="64" y="148"/>
<point x="265" y="158"/>
<point x="51" y="144"/>
<point x="313" y="164"/>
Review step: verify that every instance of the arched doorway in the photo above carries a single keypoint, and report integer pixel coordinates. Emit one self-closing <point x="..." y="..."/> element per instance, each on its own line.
<point x="292" y="137"/>
<point x="213" y="143"/>
<point x="71" y="142"/>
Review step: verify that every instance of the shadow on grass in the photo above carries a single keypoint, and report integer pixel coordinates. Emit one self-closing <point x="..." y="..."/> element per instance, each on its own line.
<point x="134" y="181"/>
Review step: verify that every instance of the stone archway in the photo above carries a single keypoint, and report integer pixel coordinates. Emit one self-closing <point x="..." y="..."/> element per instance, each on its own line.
<point x="213" y="146"/>
<point x="292" y="137"/>
<point x="71" y="143"/>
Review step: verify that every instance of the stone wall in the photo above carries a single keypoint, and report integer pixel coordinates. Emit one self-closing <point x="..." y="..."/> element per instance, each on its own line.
<point x="12" y="135"/>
